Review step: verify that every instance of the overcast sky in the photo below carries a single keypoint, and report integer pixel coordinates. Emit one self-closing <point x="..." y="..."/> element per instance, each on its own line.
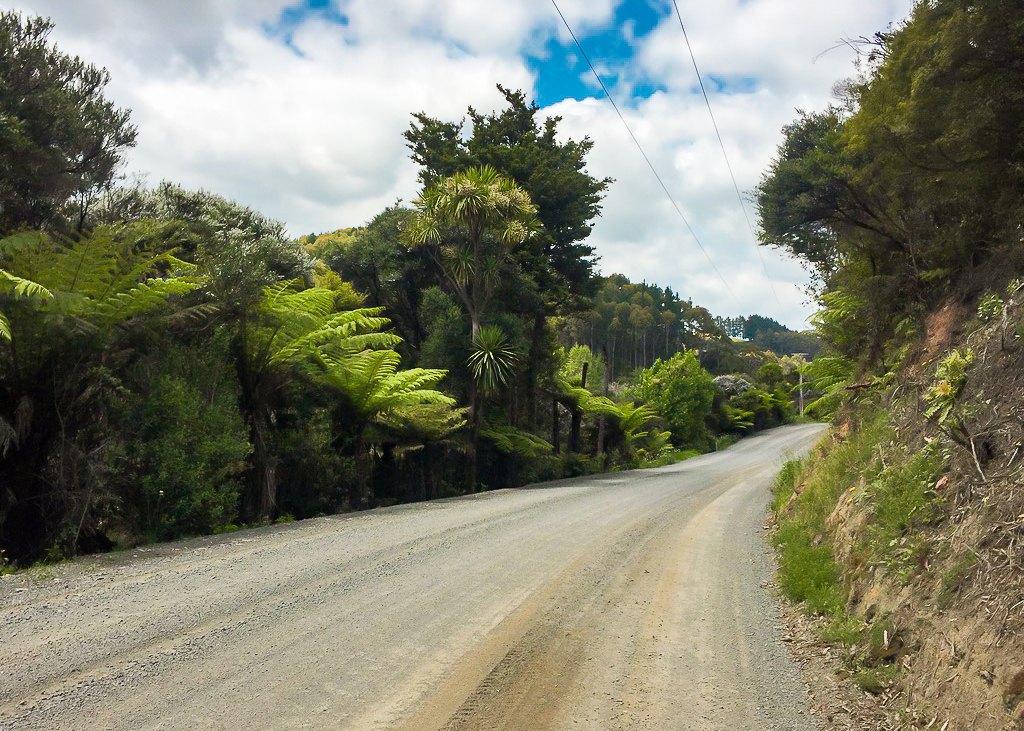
<point x="297" y="109"/>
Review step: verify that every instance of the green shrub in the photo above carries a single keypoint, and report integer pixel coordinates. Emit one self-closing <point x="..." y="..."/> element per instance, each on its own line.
<point x="876" y="679"/>
<point x="990" y="307"/>
<point x="950" y="378"/>
<point x="682" y="393"/>
<point x="807" y="572"/>
<point x="903" y="499"/>
<point x="183" y="458"/>
<point x="785" y="482"/>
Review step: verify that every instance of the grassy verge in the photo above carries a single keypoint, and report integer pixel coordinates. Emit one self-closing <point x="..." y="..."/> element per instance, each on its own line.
<point x="870" y="471"/>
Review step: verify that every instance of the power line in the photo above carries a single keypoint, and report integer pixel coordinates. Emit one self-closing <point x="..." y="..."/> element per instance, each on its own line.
<point x="646" y="159"/>
<point x="721" y="144"/>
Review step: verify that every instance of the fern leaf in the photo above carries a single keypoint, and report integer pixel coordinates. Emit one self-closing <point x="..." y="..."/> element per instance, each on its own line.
<point x="25" y="287"/>
<point x="510" y="440"/>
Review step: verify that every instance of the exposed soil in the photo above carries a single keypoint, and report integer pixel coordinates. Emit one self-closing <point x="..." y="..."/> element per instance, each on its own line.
<point x="958" y="619"/>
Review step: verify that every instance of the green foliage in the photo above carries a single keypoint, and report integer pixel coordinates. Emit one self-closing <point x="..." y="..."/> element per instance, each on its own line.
<point x="60" y="138"/>
<point x="550" y="169"/>
<point x="830" y="374"/>
<point x="96" y="281"/>
<point x="890" y="198"/>
<point x="510" y="440"/>
<point x="808" y="573"/>
<point x="372" y="384"/>
<point x="571" y="369"/>
<point x="470" y="223"/>
<point x="55" y="369"/>
<point x="807" y="570"/>
<point x="950" y="378"/>
<point x="878" y="678"/>
<point x="786" y="481"/>
<point x="755" y="409"/>
<point x="800" y="197"/>
<point x="20" y="287"/>
<point x="492" y="360"/>
<point x="377" y="262"/>
<point x="638" y="323"/>
<point x="183" y="459"/>
<point x="632" y="430"/>
<point x="295" y="334"/>
<point x="843" y="630"/>
<point x="682" y="393"/>
<point x="903" y="499"/>
<point x="770" y="374"/>
<point x="990" y="307"/>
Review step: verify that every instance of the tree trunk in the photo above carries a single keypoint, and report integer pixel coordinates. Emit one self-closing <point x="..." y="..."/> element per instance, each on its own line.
<point x="555" y="431"/>
<point x="604" y="392"/>
<point x="475" y="407"/>
<point x="429" y="491"/>
<point x="25" y="530"/>
<point x="577" y="415"/>
<point x="264" y="467"/>
<point x="574" y="430"/>
<point x="531" y="370"/>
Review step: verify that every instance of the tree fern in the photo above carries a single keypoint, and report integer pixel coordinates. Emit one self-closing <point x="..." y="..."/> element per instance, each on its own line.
<point x="511" y="440"/>
<point x="21" y="288"/>
<point x="372" y="384"/>
<point x="96" y="279"/>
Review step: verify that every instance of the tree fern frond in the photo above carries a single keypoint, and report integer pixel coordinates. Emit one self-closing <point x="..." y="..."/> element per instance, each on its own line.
<point x="5" y="327"/>
<point x="426" y="423"/>
<point x="25" y="287"/>
<point x="144" y="297"/>
<point x="195" y="313"/>
<point x="88" y="267"/>
<point x="349" y="331"/>
<point x="373" y="385"/>
<point x="510" y="440"/>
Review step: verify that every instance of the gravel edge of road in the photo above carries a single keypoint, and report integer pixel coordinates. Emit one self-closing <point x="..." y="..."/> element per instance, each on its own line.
<point x="836" y="703"/>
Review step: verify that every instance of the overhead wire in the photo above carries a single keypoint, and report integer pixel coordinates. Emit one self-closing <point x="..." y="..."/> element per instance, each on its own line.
<point x="672" y="200"/>
<point x="721" y="144"/>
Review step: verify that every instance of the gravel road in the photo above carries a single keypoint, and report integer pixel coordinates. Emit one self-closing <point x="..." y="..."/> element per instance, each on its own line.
<point x="633" y="600"/>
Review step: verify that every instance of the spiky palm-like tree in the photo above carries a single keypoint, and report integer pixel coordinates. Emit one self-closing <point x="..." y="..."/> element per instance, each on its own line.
<point x="491" y="360"/>
<point x="471" y="222"/>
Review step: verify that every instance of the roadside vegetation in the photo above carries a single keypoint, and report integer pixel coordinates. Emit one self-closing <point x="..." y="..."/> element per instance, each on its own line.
<point x="173" y="363"/>
<point x="902" y="532"/>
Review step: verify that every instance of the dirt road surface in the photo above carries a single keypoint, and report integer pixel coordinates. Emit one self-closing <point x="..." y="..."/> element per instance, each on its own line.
<point x="633" y="600"/>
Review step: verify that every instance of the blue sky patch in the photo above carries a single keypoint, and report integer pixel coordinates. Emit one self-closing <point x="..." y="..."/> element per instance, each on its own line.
<point x="731" y="84"/>
<point x="609" y="48"/>
<point x="295" y="15"/>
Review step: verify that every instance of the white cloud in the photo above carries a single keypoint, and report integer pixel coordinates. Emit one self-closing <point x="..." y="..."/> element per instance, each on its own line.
<point x="312" y="134"/>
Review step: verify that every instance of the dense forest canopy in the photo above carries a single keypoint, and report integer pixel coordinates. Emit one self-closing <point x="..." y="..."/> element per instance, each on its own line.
<point x="173" y="363"/>
<point x="910" y="188"/>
